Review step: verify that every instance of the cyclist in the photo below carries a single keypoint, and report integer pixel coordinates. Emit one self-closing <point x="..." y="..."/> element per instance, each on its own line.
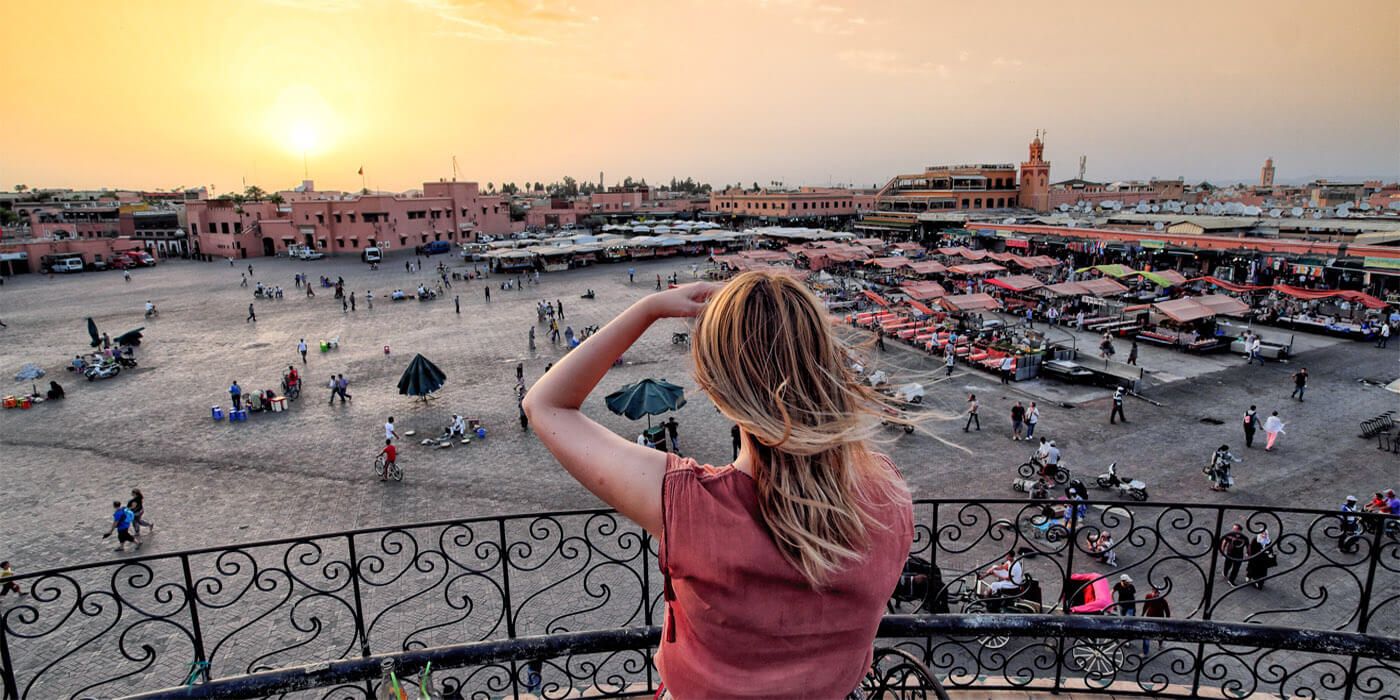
<point x="390" y="455"/>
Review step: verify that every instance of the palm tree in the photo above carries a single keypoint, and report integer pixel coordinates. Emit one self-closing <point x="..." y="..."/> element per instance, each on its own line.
<point x="254" y="193"/>
<point x="276" y="198"/>
<point x="21" y="187"/>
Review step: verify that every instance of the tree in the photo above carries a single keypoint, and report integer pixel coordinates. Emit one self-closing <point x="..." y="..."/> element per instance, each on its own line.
<point x="254" y="193"/>
<point x="490" y="187"/>
<point x="755" y="186"/>
<point x="21" y="187"/>
<point x="276" y="198"/>
<point x="364" y="190"/>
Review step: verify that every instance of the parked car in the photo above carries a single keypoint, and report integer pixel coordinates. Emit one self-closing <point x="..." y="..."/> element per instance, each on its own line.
<point x="434" y="248"/>
<point x="371" y="254"/>
<point x="67" y="265"/>
<point x="97" y="265"/>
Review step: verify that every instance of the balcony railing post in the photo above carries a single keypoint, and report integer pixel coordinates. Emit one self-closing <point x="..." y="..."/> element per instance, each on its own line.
<point x="196" y="634"/>
<point x="505" y="600"/>
<point x="7" y="667"/>
<point x="1364" y="606"/>
<point x="646" y="596"/>
<point x="355" y="589"/>
<point x="1070" y="539"/>
<point x="1209" y="596"/>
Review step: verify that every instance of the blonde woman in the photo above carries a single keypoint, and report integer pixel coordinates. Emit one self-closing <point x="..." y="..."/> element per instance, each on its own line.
<point x="777" y="567"/>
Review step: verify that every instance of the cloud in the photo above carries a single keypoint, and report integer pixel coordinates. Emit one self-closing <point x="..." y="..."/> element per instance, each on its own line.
<point x="890" y="63"/>
<point x="316" y="5"/>
<point x="503" y="20"/>
<point x="999" y="61"/>
<point x="964" y="55"/>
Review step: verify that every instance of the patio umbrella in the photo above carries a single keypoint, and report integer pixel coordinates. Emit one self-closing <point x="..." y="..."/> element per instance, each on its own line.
<point x="92" y="331"/>
<point x="421" y="378"/>
<point x="648" y="397"/>
<point x="131" y="337"/>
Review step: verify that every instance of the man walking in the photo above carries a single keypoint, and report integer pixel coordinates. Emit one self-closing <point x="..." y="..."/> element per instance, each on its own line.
<point x="352" y="301"/>
<point x="122" y="519"/>
<point x="1018" y="418"/>
<point x="948" y="359"/>
<point x="1118" y="406"/>
<point x="457" y="301"/>
<point x="631" y="275"/>
<point x="236" y="393"/>
<point x="344" y="305"/>
<point x="559" y="307"/>
<point x="519" y="372"/>
<point x="972" y="413"/>
<point x="488" y="293"/>
<point x="252" y="315"/>
<point x="301" y="348"/>
<point x="1251" y="424"/>
<point x="1132" y="353"/>
<point x="672" y="431"/>
<point x="1254" y="344"/>
<point x="1232" y="548"/>
<point x="334" y="386"/>
<point x="1032" y="418"/>
<point x="342" y="385"/>
<point x="1300" y="383"/>
<point x="1006" y="364"/>
<point x="1383" y="338"/>
<point x="369" y="298"/>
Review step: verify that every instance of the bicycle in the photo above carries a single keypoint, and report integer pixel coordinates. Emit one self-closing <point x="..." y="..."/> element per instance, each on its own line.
<point x="392" y="472"/>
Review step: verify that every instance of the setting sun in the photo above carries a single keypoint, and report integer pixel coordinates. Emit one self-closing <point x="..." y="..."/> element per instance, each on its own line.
<point x="303" y="137"/>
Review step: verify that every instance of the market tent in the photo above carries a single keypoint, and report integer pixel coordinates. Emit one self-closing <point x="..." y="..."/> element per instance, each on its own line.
<point x="1184" y="310"/>
<point x="952" y="252"/>
<point x="1068" y="289"/>
<point x="1231" y="286"/>
<point x="1102" y="287"/>
<point x="1036" y="262"/>
<point x="889" y="263"/>
<point x="970" y="302"/>
<point x="924" y="290"/>
<point x="1003" y="257"/>
<point x="875" y="297"/>
<point x="1110" y="270"/>
<point x="973" y="254"/>
<point x="1164" y="278"/>
<point x="1362" y="298"/>
<point x="1223" y="305"/>
<point x="421" y="378"/>
<point x="976" y="269"/>
<point x="920" y="307"/>
<point x="926" y="267"/>
<point x="1015" y="283"/>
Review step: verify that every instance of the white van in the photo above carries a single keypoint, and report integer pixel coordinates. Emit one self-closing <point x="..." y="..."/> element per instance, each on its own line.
<point x="371" y="254"/>
<point x="68" y="265"/>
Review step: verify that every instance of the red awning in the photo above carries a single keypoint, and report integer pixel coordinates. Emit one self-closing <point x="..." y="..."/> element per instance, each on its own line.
<point x="920" y="307"/>
<point x="875" y="297"/>
<point x="1067" y="289"/>
<point x="924" y="290"/>
<point x="1184" y="310"/>
<point x="889" y="263"/>
<point x="1015" y="283"/>
<point x="1362" y="298"/>
<point x="970" y="302"/>
<point x="926" y="267"/>
<point x="976" y="269"/>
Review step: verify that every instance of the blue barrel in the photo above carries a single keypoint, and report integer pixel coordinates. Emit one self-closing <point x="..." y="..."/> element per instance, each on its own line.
<point x="216" y="413"/>
<point x="481" y="433"/>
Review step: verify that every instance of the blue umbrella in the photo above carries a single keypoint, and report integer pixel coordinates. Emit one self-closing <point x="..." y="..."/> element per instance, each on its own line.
<point x="648" y="397"/>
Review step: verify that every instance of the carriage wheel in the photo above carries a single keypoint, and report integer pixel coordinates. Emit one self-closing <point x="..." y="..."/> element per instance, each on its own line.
<point x="989" y="641"/>
<point x="1096" y="658"/>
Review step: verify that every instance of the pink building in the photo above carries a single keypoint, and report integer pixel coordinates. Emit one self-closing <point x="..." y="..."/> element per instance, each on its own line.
<point x="803" y="203"/>
<point x="613" y="204"/>
<point x="444" y="211"/>
<point x="1129" y="193"/>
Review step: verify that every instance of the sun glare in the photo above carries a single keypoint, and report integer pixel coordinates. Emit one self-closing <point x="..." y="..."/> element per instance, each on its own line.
<point x="302" y="119"/>
<point x="302" y="137"/>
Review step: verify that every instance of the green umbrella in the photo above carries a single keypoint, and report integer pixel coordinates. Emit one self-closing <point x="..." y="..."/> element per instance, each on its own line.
<point x="648" y="397"/>
<point x="421" y="378"/>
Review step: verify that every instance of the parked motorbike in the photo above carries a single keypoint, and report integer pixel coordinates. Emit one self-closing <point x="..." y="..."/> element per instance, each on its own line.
<point x="125" y="361"/>
<point x="1132" y="488"/>
<point x="1033" y="466"/>
<point x="102" y="371"/>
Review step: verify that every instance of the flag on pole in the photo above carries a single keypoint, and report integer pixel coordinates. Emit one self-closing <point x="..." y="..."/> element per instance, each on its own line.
<point x="362" y="170"/>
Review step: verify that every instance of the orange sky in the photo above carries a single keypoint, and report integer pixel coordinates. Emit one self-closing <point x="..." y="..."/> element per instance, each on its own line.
<point x="172" y="93"/>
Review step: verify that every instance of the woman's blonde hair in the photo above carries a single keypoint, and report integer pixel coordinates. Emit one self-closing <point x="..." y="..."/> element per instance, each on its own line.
<point x="766" y="354"/>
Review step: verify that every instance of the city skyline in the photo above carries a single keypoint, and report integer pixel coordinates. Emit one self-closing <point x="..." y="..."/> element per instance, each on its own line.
<point x="162" y="94"/>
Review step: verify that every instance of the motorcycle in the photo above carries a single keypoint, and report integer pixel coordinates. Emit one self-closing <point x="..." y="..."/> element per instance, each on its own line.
<point x="102" y="371"/>
<point x="125" y="361"/>
<point x="151" y="312"/>
<point x="1033" y="467"/>
<point x="1132" y="488"/>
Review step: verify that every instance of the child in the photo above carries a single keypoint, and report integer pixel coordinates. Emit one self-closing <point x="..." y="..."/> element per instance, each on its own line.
<point x="391" y="454"/>
<point x="6" y="585"/>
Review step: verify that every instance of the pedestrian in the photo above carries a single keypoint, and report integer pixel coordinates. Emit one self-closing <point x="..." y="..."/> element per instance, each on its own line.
<point x="1259" y="558"/>
<point x="671" y="431"/>
<point x="121" y="524"/>
<point x="230" y="262"/>
<point x="244" y="278"/>
<point x="1233" y="546"/>
<point x="137" y="505"/>
<point x="1032" y="419"/>
<point x="1133" y="353"/>
<point x="1030" y="317"/>
<point x="408" y="266"/>
<point x="126" y="274"/>
<point x="1154" y="604"/>
<point x="1300" y="383"/>
<point x="1125" y="594"/>
<point x="559" y="307"/>
<point x="1382" y="339"/>
<point x="948" y="359"/>
<point x="6" y="585"/>
<point x="1273" y="427"/>
<point x="369" y="298"/>
<point x="532" y="337"/>
<point x="252" y="315"/>
<point x="524" y="419"/>
<point x="1251" y="424"/>
<point x="487" y="288"/>
<point x="389" y="432"/>
<point x="631" y="275"/>
<point x="1254" y="345"/>
<point x="1018" y="418"/>
<point x="1118" y="406"/>
<point x="457" y="301"/>
<point x="1219" y="472"/>
<point x="236" y="393"/>
<point x="301" y="348"/>
<point x="972" y="413"/>
<point x="342" y="385"/>
<point x="735" y="438"/>
<point x="352" y="301"/>
<point x="310" y="293"/>
<point x="250" y="270"/>
<point x="1006" y="364"/>
<point x="106" y="341"/>
<point x="519" y="372"/>
<point x="334" y="386"/>
<point x="880" y="338"/>
<point x="344" y="305"/>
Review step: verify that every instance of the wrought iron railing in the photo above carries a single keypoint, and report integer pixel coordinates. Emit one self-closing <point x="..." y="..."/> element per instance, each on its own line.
<point x="1324" y="622"/>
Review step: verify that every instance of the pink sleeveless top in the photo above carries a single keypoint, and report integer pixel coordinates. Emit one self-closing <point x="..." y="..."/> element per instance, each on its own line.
<point x="741" y="621"/>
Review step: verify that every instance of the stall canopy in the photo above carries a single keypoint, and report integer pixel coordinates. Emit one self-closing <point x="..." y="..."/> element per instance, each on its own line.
<point x="924" y="290"/>
<point x="969" y="302"/>
<point x="1164" y="278"/>
<point x="1068" y="289"/>
<point x="1185" y="309"/>
<point x="1223" y="305"/>
<point x="1110" y="270"/>
<point x="976" y="269"/>
<point x="1103" y="287"/>
<point x="1015" y="283"/>
<point x="889" y="263"/>
<point x="920" y="307"/>
<point x="874" y="297"/>
<point x="926" y="267"/>
<point x="1362" y="298"/>
<point x="1036" y="262"/>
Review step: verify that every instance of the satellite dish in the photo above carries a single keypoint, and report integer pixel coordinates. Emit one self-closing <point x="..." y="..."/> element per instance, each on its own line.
<point x="1216" y="209"/>
<point x="1317" y="215"/>
<point x="1009" y="220"/>
<point x="1393" y="205"/>
<point x="1158" y="226"/>
<point x="1275" y="213"/>
<point x="1365" y="206"/>
<point x="1141" y="208"/>
<point x="1343" y="212"/>
<point x="1253" y="210"/>
<point x="1174" y="206"/>
<point x="1156" y="208"/>
<point x="1064" y="207"/>
<point x="1297" y="212"/>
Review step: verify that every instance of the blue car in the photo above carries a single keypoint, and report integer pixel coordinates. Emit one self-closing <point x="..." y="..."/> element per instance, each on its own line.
<point x="434" y="248"/>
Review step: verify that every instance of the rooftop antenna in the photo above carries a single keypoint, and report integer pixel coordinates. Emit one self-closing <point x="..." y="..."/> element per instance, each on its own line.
<point x="1083" y="160"/>
<point x="454" y="168"/>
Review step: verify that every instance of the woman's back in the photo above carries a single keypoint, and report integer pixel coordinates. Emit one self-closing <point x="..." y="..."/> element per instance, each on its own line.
<point x="744" y="622"/>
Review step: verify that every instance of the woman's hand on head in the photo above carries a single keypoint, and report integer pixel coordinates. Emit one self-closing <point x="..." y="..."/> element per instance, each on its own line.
<point x="682" y="302"/>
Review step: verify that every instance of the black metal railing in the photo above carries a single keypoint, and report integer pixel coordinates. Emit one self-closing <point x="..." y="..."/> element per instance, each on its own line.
<point x="1326" y="605"/>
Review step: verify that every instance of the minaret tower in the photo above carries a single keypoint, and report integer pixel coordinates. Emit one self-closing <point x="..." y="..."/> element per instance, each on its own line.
<point x="1035" y="177"/>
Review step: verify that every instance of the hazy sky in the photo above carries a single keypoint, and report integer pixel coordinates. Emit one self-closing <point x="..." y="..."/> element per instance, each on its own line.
<point x="188" y="92"/>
